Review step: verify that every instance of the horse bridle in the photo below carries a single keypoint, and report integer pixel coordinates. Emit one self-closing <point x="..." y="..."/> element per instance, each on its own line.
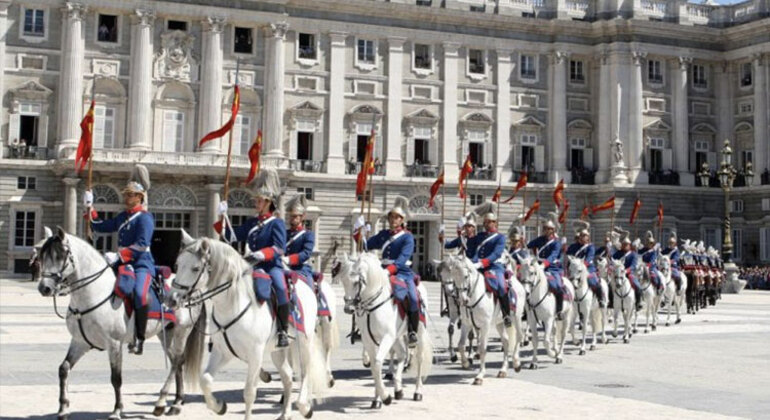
<point x="361" y="306"/>
<point x="71" y="286"/>
<point x="193" y="299"/>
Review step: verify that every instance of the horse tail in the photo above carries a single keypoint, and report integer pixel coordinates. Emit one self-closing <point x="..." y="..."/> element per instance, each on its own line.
<point x="193" y="353"/>
<point x="315" y="365"/>
<point x="333" y="335"/>
<point x="425" y="354"/>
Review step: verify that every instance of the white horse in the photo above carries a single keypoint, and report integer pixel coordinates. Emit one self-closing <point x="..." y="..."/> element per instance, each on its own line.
<point x="671" y="297"/>
<point x="623" y="302"/>
<point x="96" y="319"/>
<point x="541" y="307"/>
<point x="244" y="328"/>
<point x="650" y="300"/>
<point x="483" y="312"/>
<point x="457" y="317"/>
<point x="368" y="294"/>
<point x="586" y="304"/>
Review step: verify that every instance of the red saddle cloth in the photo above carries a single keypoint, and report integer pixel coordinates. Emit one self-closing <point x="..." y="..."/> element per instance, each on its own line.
<point x="402" y="305"/>
<point x="163" y="273"/>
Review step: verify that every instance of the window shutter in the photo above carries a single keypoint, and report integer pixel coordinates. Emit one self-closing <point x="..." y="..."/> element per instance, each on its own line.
<point x="353" y="147"/>
<point x="379" y="147"/>
<point x="169" y="131"/>
<point x="293" y="144"/>
<point x="318" y="146"/>
<point x="409" y="150"/>
<point x="489" y="154"/>
<point x="13" y="127"/>
<point x="433" y="151"/>
<point x="667" y="159"/>
<point x="712" y="159"/>
<point x="463" y="151"/>
<point x="42" y="129"/>
<point x="588" y="158"/>
<point x="516" y="157"/>
<point x="539" y="158"/>
<point x="99" y="117"/>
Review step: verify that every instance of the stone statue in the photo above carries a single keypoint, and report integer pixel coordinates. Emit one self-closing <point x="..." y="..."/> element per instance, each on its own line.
<point x="618" y="151"/>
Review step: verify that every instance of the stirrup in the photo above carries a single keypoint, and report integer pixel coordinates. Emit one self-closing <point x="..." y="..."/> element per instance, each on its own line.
<point x="444" y="313"/>
<point x="283" y="340"/>
<point x="507" y="321"/>
<point x="412" y="340"/>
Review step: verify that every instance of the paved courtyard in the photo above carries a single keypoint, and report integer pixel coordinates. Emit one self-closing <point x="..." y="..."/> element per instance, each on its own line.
<point x="715" y="364"/>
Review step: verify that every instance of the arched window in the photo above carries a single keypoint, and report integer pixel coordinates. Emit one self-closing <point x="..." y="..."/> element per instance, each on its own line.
<point x="529" y="145"/>
<point x="744" y="144"/>
<point x="248" y="120"/>
<point x="360" y="121"/>
<point x="174" y="117"/>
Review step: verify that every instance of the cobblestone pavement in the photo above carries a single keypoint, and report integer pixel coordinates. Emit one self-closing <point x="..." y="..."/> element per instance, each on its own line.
<point x="714" y="365"/>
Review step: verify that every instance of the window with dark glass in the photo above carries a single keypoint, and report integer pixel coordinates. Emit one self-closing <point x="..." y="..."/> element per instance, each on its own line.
<point x="477" y="153"/>
<point x="306" y="46"/>
<point x="424" y="2"/>
<point x="476" y="61"/>
<point x="108" y="28"/>
<point x="243" y="41"/>
<point x="366" y="51"/>
<point x="304" y="146"/>
<point x="746" y="73"/>
<point x="527" y="157"/>
<point x="421" y="151"/>
<point x="654" y="73"/>
<point x="361" y="141"/>
<point x="34" y="22"/>
<point x="24" y="234"/>
<point x="176" y="25"/>
<point x="527" y="67"/>
<point x="576" y="74"/>
<point x="422" y="56"/>
<point x="576" y="159"/>
<point x="26" y="183"/>
<point x="699" y="76"/>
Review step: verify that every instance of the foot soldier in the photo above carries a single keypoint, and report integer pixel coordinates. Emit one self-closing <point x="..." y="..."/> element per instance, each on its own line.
<point x="673" y="254"/>
<point x="397" y="245"/>
<point x="585" y="250"/>
<point x="649" y="256"/>
<point x="629" y="258"/>
<point x="548" y="250"/>
<point x="265" y="236"/>
<point x="136" y="267"/>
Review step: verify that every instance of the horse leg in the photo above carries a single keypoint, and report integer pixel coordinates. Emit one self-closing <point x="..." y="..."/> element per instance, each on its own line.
<point x="282" y="362"/>
<point x="379" y="354"/>
<point x="176" y="407"/>
<point x="548" y="336"/>
<point x="328" y="330"/>
<point x="515" y="342"/>
<point x="74" y="353"/>
<point x="366" y="358"/>
<point x="464" y="332"/>
<point x="506" y="335"/>
<point x="586" y="320"/>
<point x="217" y="360"/>
<point x="535" y="340"/>
<point x="616" y="315"/>
<point x="400" y="354"/>
<point x="160" y="404"/>
<point x="482" y="349"/>
<point x="116" y="378"/>
<point x="252" y="382"/>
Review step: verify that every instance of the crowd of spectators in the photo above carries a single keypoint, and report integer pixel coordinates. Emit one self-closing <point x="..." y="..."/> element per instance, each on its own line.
<point x="757" y="277"/>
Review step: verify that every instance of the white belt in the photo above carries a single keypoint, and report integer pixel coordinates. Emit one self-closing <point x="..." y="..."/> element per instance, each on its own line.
<point x="389" y="262"/>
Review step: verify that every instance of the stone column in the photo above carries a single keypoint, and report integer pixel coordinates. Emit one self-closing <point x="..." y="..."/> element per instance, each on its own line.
<point x="503" y="118"/>
<point x="335" y="160"/>
<point x="724" y="105"/>
<point x="449" y="111"/>
<point x="274" y="81"/>
<point x="635" y="127"/>
<point x="394" y="163"/>
<point x="70" y="110"/>
<point x="71" y="205"/>
<point x="140" y="82"/>
<point x="558" y="115"/>
<point x="680" y="138"/>
<point x="213" y="202"/>
<point x="4" y="139"/>
<point x="210" y="109"/>
<point x="604" y="125"/>
<point x="761" y="143"/>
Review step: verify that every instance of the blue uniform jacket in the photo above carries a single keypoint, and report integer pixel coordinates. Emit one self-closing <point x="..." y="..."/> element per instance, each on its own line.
<point x="470" y="250"/>
<point x="630" y="259"/>
<point x="548" y="252"/>
<point x="673" y="254"/>
<point x="397" y="249"/>
<point x="262" y="233"/>
<point x="585" y="252"/>
<point x="299" y="249"/>
<point x="650" y="257"/>
<point x="489" y="248"/>
<point x="135" y="228"/>
<point x="518" y="255"/>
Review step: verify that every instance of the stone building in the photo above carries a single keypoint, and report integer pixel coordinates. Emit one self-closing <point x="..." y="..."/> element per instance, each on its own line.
<point x="545" y="86"/>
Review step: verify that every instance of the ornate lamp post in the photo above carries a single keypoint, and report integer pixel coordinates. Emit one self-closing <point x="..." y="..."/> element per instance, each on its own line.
<point x="726" y="177"/>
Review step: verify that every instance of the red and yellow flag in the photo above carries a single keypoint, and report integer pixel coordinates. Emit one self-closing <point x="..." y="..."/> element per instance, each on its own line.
<point x="229" y="124"/>
<point x="464" y="172"/>
<point x="635" y="211"/>
<point x="558" y="193"/>
<point x="367" y="167"/>
<point x="563" y="214"/>
<point x="519" y="185"/>
<point x="434" y="189"/>
<point x="85" y="147"/>
<point x="255" y="151"/>
<point x="660" y="214"/>
<point x="535" y="207"/>
<point x="609" y="204"/>
<point x="585" y="213"/>
<point x="498" y="193"/>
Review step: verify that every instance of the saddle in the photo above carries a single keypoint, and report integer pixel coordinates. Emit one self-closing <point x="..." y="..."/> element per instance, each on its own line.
<point x="155" y="296"/>
<point x="398" y="287"/>
<point x="263" y="289"/>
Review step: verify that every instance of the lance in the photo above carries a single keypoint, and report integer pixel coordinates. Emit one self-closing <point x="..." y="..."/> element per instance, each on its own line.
<point x="499" y="188"/>
<point x="636" y="225"/>
<point x="230" y="137"/>
<point x="443" y="198"/>
<point x="89" y="181"/>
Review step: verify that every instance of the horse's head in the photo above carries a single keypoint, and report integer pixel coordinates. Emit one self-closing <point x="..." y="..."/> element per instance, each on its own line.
<point x="530" y="271"/>
<point x="342" y="272"/>
<point x="601" y="266"/>
<point x="53" y="263"/>
<point x="193" y="267"/>
<point x="618" y="272"/>
<point x="461" y="271"/>
<point x="576" y="270"/>
<point x="664" y="265"/>
<point x="444" y="271"/>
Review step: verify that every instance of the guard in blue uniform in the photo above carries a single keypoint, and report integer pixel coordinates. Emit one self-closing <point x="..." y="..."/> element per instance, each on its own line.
<point x="265" y="235"/>
<point x="397" y="245"/>
<point x="299" y="241"/>
<point x="649" y="256"/>
<point x="465" y="232"/>
<point x="630" y="259"/>
<point x="672" y="251"/>
<point x="136" y="267"/>
<point x="517" y="251"/>
<point x="585" y="250"/>
<point x="548" y="250"/>
<point x="490" y="245"/>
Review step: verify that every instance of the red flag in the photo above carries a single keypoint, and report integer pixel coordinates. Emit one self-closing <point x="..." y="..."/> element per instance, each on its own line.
<point x="660" y="214"/>
<point x="585" y="213"/>
<point x="498" y="193"/>
<point x="535" y="207"/>
<point x="464" y="172"/>
<point x="436" y="187"/>
<point x="609" y="204"/>
<point x="558" y="193"/>
<point x="519" y="185"/>
<point x="86" y="139"/>
<point x="254" y="153"/>
<point x="368" y="165"/>
<point x="229" y="124"/>
<point x="563" y="214"/>
<point x="635" y="211"/>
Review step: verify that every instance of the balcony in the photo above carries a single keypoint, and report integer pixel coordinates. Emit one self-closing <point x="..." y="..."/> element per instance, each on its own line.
<point x="482" y="173"/>
<point x="663" y="177"/>
<point x="353" y="168"/>
<point x="422" y="170"/>
<point x="713" y="180"/>
<point x="302" y="165"/>
<point x="532" y="177"/>
<point x="29" y="152"/>
<point x="583" y="176"/>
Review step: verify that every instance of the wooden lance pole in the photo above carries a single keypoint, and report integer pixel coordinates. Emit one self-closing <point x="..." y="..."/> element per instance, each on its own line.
<point x="90" y="179"/>
<point x="230" y="138"/>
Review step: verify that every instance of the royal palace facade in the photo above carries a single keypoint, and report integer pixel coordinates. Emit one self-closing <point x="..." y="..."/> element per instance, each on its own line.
<point x="626" y="98"/>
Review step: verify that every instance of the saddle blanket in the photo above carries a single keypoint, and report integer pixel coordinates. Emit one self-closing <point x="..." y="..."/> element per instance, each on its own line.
<point x="489" y="282"/>
<point x="154" y="296"/>
<point x="398" y="290"/>
<point x="263" y="289"/>
<point x="315" y="284"/>
<point x="565" y="291"/>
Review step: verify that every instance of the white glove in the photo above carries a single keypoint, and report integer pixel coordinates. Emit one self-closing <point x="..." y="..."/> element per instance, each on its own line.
<point x="112" y="258"/>
<point x="359" y="223"/>
<point x="368" y="228"/>
<point x="88" y="198"/>
<point x="222" y="208"/>
<point x="285" y="261"/>
<point x="441" y="229"/>
<point x="478" y="266"/>
<point x="460" y="223"/>
<point x="259" y="256"/>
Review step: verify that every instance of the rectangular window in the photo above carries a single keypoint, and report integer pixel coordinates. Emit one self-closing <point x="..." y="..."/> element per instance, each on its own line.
<point x="657" y="143"/>
<point x="108" y="28"/>
<point x="527" y="158"/>
<point x="366" y="52"/>
<point x="243" y="40"/>
<point x="304" y="146"/>
<point x="766" y="204"/>
<point x="26" y="183"/>
<point x="746" y="107"/>
<point x="422" y="59"/>
<point x="479" y="9"/>
<point x="527" y="67"/>
<point x="24" y="232"/>
<point x="699" y="76"/>
<point x="34" y="22"/>
<point x="476" y="150"/>
<point x="424" y="2"/>
<point x="736" y="206"/>
<point x="176" y="25"/>
<point x="172" y="220"/>
<point x="173" y="131"/>
<point x="476" y="62"/>
<point x="576" y="74"/>
<point x="421" y="155"/>
<point x="746" y="73"/>
<point x="104" y="241"/>
<point x="712" y="238"/>
<point x="656" y="160"/>
<point x="475" y="199"/>
<point x="576" y="158"/>
<point x="243" y="131"/>
<point x="306" y="47"/>
<point x="361" y="141"/>
<point x="737" y="238"/>
<point x="307" y="191"/>
<point x="654" y="72"/>
<point x="764" y="244"/>
<point x="104" y="127"/>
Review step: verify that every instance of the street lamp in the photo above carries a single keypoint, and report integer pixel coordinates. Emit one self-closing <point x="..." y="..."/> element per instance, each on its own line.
<point x="726" y="177"/>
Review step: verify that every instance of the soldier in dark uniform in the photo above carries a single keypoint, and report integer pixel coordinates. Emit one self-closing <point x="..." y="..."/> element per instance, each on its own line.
<point x="300" y="241"/>
<point x="548" y="250"/>
<point x="468" y="226"/>
<point x="672" y="251"/>
<point x="585" y="250"/>
<point x="630" y="259"/>
<point x="649" y="256"/>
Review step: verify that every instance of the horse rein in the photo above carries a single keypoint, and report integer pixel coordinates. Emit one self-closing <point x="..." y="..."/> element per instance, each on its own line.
<point x="195" y="299"/>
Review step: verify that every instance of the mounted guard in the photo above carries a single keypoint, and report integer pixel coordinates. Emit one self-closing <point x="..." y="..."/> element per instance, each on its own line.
<point x="516" y="238"/>
<point x="547" y="248"/>
<point x="466" y="229"/>
<point x="649" y="256"/>
<point x="672" y="251"/>
<point x="630" y="259"/>
<point x="300" y="241"/>
<point x="584" y="249"/>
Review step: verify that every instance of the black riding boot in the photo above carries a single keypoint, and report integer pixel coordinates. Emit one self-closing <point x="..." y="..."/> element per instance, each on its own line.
<point x="140" y="327"/>
<point x="412" y="326"/>
<point x="283" y="324"/>
<point x="638" y="298"/>
<point x="505" y="309"/>
<point x="559" y="304"/>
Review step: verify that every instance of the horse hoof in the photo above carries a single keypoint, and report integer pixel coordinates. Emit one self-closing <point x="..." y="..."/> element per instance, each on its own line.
<point x="532" y="366"/>
<point x="331" y="383"/>
<point x="502" y="374"/>
<point x="678" y="321"/>
<point x="388" y="376"/>
<point x="668" y="324"/>
<point x="517" y="369"/>
<point x="559" y="360"/>
<point x="63" y="417"/>
<point x="634" y="331"/>
<point x="113" y="417"/>
<point x="158" y="411"/>
<point x="466" y="365"/>
<point x="376" y="404"/>
<point x="654" y="327"/>
<point x="614" y="335"/>
<point x="477" y="356"/>
<point x="399" y="394"/>
<point x="367" y="364"/>
<point x="265" y="377"/>
<point x="593" y="347"/>
<point x="173" y="411"/>
<point x="525" y="343"/>
<point x="478" y="381"/>
<point x="453" y="358"/>
<point x="646" y="331"/>
<point x="582" y="353"/>
<point x="280" y="402"/>
<point x="223" y="409"/>
<point x="417" y="396"/>
<point x="387" y="400"/>
<point x="309" y="414"/>
<point x="625" y="340"/>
